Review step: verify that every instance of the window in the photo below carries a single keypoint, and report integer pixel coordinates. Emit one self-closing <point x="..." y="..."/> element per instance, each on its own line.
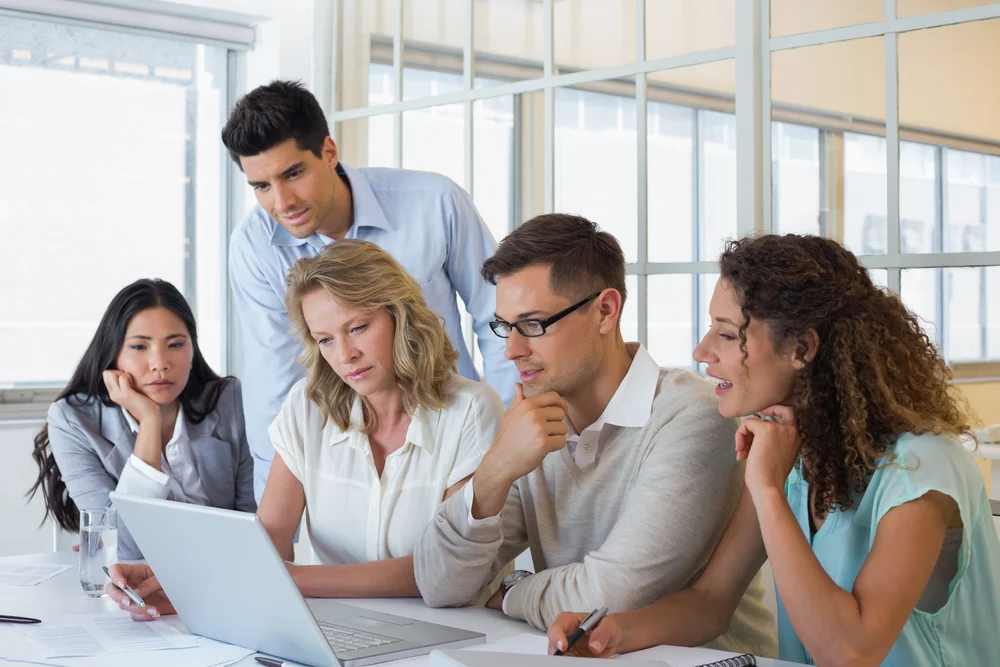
<point x="112" y="170"/>
<point x="647" y="144"/>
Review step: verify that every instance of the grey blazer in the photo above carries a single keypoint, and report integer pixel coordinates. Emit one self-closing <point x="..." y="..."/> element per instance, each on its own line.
<point x="92" y="443"/>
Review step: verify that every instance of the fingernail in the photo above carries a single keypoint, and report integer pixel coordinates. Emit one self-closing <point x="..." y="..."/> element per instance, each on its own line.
<point x="127" y="602"/>
<point x="559" y="645"/>
<point x="595" y="647"/>
<point x="120" y="584"/>
<point x="154" y="613"/>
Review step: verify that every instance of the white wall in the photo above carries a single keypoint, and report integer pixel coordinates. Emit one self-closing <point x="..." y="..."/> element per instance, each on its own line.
<point x="21" y="532"/>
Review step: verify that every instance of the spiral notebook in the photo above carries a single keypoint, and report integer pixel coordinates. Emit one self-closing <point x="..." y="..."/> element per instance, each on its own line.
<point x="745" y="660"/>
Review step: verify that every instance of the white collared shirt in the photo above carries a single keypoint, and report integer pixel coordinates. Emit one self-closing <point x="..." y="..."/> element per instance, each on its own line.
<point x="352" y="514"/>
<point x="177" y="478"/>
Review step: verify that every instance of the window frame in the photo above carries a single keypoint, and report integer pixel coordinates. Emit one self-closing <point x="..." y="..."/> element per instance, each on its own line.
<point x="29" y="403"/>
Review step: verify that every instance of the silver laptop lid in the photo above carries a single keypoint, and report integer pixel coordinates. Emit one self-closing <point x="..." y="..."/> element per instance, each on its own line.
<point x="225" y="578"/>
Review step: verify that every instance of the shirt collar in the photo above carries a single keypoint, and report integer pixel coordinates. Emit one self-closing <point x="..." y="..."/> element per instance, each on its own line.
<point x="133" y="425"/>
<point x="632" y="403"/>
<point x="367" y="213"/>
<point x="421" y="432"/>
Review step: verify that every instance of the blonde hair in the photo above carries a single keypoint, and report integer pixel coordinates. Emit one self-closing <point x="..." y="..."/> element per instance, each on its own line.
<point x="361" y="275"/>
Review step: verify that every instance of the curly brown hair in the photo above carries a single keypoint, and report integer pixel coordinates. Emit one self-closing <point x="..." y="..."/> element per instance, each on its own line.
<point x="876" y="374"/>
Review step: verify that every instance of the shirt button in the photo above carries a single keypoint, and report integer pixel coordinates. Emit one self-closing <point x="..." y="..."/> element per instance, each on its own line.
<point x="586" y="448"/>
<point x="394" y="463"/>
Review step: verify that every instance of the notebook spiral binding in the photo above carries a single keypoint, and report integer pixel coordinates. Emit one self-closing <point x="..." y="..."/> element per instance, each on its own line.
<point x="745" y="660"/>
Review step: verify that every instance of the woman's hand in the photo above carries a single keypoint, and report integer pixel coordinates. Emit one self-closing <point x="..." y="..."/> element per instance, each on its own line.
<point x="142" y="580"/>
<point x="601" y="642"/>
<point x="770" y="446"/>
<point x="121" y="389"/>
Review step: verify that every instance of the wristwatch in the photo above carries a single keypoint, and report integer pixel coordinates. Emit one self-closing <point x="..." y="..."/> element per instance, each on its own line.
<point x="509" y="581"/>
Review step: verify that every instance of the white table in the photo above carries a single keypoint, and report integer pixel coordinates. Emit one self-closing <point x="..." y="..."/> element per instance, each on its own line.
<point x="62" y="596"/>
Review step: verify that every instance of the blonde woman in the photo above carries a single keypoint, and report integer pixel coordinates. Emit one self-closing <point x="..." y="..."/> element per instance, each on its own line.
<point x="376" y="436"/>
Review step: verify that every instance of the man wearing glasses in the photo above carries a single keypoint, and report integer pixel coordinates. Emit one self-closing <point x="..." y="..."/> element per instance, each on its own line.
<point x="618" y="475"/>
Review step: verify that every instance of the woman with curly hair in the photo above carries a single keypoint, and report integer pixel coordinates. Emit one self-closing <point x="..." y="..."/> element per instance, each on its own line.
<point x="873" y="515"/>
<point x="379" y="432"/>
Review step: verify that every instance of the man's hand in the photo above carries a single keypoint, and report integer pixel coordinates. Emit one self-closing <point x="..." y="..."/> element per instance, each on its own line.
<point x="601" y="642"/>
<point x="531" y="429"/>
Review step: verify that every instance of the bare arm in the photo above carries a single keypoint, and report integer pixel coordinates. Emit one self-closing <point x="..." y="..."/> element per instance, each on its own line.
<point x="281" y="506"/>
<point x="378" y="579"/>
<point x="857" y="627"/>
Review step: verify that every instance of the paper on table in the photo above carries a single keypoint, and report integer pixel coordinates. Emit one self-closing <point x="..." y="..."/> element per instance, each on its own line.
<point x="102" y="634"/>
<point x="29" y="575"/>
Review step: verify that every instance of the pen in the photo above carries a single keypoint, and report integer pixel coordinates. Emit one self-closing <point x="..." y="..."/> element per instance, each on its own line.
<point x="275" y="662"/>
<point x="586" y="626"/>
<point x="17" y="619"/>
<point x="132" y="595"/>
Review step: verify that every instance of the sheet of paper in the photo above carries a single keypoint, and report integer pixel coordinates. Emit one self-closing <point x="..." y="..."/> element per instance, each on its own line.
<point x="102" y="634"/>
<point x="29" y="575"/>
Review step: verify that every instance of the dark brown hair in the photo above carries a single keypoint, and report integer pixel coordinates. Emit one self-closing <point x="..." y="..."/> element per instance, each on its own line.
<point x="583" y="259"/>
<point x="876" y="374"/>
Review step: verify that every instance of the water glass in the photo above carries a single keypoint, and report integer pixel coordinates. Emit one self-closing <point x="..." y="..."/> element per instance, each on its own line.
<point x="98" y="548"/>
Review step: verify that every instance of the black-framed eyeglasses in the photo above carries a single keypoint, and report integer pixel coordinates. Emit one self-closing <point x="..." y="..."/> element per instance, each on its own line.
<point x="535" y="328"/>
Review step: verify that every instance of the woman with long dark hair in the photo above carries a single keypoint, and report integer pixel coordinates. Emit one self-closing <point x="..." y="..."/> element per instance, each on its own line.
<point x="144" y="414"/>
<point x="858" y="490"/>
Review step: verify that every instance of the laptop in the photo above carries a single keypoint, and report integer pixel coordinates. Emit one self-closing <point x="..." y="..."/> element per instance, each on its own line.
<point x="227" y="582"/>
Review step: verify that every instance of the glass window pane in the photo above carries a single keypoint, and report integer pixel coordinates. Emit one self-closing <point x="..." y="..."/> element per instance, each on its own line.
<point x="493" y="162"/>
<point x="880" y="277"/>
<point x="592" y="34"/>
<point x="109" y="149"/>
<point x="789" y="17"/>
<point x="509" y="40"/>
<point x="434" y="140"/>
<point x="603" y="188"/>
<point x="706" y="288"/>
<point x="795" y="179"/>
<point x="920" y="292"/>
<point x="367" y="142"/>
<point x="993" y="313"/>
<point x="865" y="194"/>
<point x="433" y="31"/>
<point x="676" y="27"/>
<point x="966" y="300"/>
<point x="691" y="161"/>
<point x="946" y="88"/>
<point x="669" y="312"/>
<point x="366" y="35"/>
<point x="670" y="188"/>
<point x="717" y="197"/>
<point x="843" y="80"/>
<point x="918" y="198"/>
<point x="630" y="314"/>
<point x="905" y="8"/>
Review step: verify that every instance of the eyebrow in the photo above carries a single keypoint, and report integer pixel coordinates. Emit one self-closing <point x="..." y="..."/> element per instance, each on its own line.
<point x="284" y="174"/>
<point x="726" y="320"/>
<point x="145" y="337"/>
<point x="531" y="314"/>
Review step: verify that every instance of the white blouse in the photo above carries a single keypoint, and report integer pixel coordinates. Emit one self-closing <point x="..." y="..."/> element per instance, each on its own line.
<point x="353" y="515"/>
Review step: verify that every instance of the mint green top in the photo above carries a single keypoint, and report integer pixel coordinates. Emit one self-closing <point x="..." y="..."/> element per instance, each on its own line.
<point x="965" y="630"/>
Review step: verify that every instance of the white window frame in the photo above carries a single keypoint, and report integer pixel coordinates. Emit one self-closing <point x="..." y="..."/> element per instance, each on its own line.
<point x="232" y="31"/>
<point x="751" y="54"/>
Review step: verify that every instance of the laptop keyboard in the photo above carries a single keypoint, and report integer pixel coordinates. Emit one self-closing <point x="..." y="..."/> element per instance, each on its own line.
<point x="343" y="639"/>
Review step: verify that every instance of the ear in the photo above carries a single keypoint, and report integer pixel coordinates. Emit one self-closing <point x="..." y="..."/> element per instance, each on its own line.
<point x="331" y="156"/>
<point x="609" y="305"/>
<point x="806" y="349"/>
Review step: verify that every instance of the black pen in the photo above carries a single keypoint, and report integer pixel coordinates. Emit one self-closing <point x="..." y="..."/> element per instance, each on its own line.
<point x="588" y="624"/>
<point x="17" y="619"/>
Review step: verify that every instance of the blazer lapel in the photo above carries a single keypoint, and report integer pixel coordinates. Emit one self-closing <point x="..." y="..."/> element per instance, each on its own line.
<point x="115" y="430"/>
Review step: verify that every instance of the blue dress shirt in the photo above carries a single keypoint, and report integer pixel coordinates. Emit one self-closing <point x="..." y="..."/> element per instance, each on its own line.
<point x="425" y="221"/>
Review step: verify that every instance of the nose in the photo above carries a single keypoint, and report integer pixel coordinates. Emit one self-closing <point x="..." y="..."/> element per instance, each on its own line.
<point x="703" y="354"/>
<point x="283" y="198"/>
<point x="517" y="346"/>
<point x="347" y="352"/>
<point x="157" y="360"/>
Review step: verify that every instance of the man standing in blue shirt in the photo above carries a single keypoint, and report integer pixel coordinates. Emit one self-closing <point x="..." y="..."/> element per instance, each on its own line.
<point x="308" y="199"/>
